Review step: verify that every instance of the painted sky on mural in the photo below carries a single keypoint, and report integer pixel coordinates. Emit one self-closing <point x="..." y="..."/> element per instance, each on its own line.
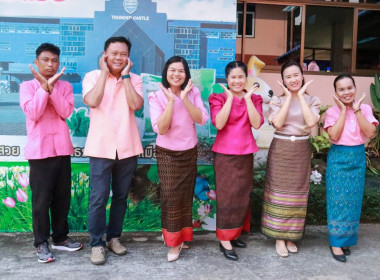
<point x="200" y="9"/>
<point x="178" y="9"/>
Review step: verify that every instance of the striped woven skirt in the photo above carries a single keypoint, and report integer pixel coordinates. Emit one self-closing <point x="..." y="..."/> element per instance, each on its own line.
<point x="177" y="172"/>
<point x="233" y="180"/>
<point x="345" y="177"/>
<point x="286" y="189"/>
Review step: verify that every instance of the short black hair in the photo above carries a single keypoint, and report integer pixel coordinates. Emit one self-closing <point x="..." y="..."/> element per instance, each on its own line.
<point x="342" y="76"/>
<point x="120" y="39"/>
<point x="47" y="47"/>
<point x="171" y="60"/>
<point x="233" y="65"/>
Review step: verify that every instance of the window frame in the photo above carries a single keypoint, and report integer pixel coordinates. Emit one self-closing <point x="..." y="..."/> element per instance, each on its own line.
<point x="245" y="25"/>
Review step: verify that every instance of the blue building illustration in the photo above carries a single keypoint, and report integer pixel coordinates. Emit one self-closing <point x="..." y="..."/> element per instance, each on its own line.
<point x="218" y="42"/>
<point x="204" y="44"/>
<point x="154" y="37"/>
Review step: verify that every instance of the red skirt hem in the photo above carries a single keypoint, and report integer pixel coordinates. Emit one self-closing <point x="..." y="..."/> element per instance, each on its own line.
<point x="231" y="234"/>
<point x="173" y="239"/>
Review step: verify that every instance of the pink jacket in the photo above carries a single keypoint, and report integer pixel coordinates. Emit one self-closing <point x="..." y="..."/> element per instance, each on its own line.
<point x="48" y="133"/>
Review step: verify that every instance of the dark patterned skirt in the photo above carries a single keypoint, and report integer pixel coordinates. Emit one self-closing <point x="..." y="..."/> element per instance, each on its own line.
<point x="233" y="178"/>
<point x="345" y="177"/>
<point x="286" y="189"/>
<point x="177" y="172"/>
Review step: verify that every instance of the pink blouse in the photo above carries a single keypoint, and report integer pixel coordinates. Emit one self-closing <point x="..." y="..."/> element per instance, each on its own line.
<point x="295" y="123"/>
<point x="236" y="137"/>
<point x="182" y="134"/>
<point x="351" y="134"/>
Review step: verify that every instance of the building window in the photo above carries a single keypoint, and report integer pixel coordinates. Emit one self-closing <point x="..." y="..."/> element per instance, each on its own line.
<point x="185" y="52"/>
<point x="328" y="37"/>
<point x="227" y="35"/>
<point x="225" y="59"/>
<point x="368" y="43"/>
<point x="337" y="36"/>
<point x="212" y="34"/>
<point x="30" y="48"/>
<point x="5" y="46"/>
<point x="250" y="20"/>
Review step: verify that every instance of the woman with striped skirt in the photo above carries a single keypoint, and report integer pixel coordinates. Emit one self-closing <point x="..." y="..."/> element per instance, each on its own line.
<point x="349" y="124"/>
<point x="293" y="114"/>
<point x="174" y="110"/>
<point x="234" y="112"/>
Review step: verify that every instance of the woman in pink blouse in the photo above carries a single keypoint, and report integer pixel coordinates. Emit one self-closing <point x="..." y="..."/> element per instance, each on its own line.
<point x="292" y="114"/>
<point x="349" y="124"/>
<point x="234" y="112"/>
<point x="174" y="110"/>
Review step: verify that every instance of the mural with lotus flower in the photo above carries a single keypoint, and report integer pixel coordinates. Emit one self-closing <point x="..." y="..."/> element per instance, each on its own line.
<point x="143" y="213"/>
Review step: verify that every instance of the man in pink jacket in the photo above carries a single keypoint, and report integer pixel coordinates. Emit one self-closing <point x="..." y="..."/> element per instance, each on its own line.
<point x="47" y="102"/>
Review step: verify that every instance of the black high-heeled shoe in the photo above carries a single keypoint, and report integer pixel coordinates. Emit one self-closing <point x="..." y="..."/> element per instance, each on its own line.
<point x="229" y="254"/>
<point x="238" y="243"/>
<point x="346" y="251"/>
<point x="341" y="258"/>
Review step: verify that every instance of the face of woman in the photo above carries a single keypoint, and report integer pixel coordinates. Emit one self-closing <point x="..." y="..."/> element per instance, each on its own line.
<point x="176" y="74"/>
<point x="345" y="90"/>
<point x="236" y="80"/>
<point x="293" y="78"/>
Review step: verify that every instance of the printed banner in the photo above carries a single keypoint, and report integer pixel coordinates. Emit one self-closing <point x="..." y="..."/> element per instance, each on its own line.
<point x="206" y="41"/>
<point x="143" y="213"/>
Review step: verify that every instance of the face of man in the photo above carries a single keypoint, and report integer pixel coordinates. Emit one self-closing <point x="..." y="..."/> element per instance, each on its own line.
<point x="117" y="57"/>
<point x="47" y="64"/>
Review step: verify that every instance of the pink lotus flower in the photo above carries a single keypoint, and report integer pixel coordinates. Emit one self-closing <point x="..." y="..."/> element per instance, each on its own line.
<point x="197" y="224"/>
<point x="21" y="195"/>
<point x="10" y="202"/>
<point x="208" y="208"/>
<point x="211" y="195"/>
<point x="23" y="180"/>
<point x="204" y="210"/>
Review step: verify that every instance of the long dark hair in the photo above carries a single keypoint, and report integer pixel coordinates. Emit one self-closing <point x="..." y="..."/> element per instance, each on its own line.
<point x="171" y="60"/>
<point x="342" y="76"/>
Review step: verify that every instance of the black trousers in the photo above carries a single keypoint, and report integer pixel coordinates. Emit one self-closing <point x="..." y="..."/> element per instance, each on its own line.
<point x="50" y="182"/>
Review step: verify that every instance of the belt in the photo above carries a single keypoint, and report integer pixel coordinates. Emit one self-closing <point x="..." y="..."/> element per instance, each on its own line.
<point x="291" y="138"/>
